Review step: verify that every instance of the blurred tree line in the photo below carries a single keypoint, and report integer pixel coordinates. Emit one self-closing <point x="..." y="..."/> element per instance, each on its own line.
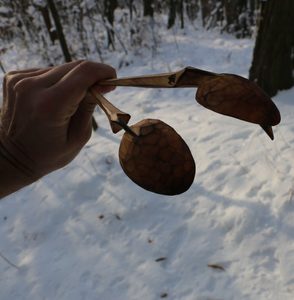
<point x="116" y="24"/>
<point x="70" y="29"/>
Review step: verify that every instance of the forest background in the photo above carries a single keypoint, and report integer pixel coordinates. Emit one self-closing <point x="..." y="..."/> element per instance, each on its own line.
<point x="65" y="30"/>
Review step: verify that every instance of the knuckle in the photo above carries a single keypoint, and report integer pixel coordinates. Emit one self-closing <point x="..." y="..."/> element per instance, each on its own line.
<point x="22" y="85"/>
<point x="80" y="61"/>
<point x="84" y="65"/>
<point x="91" y="67"/>
<point x="17" y="82"/>
<point x="10" y="73"/>
<point x="112" y="70"/>
<point x="108" y="70"/>
<point x="111" y="73"/>
<point x="72" y="64"/>
<point x="84" y="68"/>
<point x="10" y="78"/>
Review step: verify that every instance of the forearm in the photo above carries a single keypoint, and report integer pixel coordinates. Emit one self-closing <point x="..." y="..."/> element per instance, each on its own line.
<point x="12" y="176"/>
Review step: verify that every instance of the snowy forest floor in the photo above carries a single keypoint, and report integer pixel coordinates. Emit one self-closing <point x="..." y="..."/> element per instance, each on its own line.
<point x="88" y="232"/>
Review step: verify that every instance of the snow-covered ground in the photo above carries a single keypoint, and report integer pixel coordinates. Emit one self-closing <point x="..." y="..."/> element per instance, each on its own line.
<point x="88" y="232"/>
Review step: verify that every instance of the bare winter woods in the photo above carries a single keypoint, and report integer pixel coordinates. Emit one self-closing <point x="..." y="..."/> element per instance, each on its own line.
<point x="64" y="30"/>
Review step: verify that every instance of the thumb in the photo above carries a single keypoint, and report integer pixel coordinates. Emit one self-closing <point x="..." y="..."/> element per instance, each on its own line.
<point x="80" y="127"/>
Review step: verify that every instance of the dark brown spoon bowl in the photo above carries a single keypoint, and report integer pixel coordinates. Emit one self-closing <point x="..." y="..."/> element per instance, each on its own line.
<point x="158" y="159"/>
<point x="235" y="96"/>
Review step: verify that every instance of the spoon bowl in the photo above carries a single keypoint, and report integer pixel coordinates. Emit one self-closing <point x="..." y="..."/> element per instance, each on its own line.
<point x="237" y="97"/>
<point x="157" y="158"/>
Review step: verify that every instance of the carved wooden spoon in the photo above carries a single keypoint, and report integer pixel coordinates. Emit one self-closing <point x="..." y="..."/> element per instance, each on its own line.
<point x="118" y="119"/>
<point x="157" y="159"/>
<point x="227" y="94"/>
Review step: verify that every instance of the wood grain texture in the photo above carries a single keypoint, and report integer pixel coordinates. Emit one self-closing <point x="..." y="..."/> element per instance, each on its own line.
<point x="158" y="159"/>
<point x="237" y="97"/>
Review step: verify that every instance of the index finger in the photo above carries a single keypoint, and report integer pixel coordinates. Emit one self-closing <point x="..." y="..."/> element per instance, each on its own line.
<point x="75" y="84"/>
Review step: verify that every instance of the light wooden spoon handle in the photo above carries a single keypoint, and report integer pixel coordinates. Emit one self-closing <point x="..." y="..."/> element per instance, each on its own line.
<point x="187" y="77"/>
<point x="114" y="115"/>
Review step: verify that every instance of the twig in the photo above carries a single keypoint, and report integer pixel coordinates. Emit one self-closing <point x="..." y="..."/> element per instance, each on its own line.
<point x="91" y="163"/>
<point x="97" y="47"/>
<point x="9" y="262"/>
<point x="160" y="259"/>
<point x="108" y="26"/>
<point x="216" y="267"/>
<point x="2" y="67"/>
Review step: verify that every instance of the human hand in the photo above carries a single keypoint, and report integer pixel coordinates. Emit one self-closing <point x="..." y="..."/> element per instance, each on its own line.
<point x="46" y="119"/>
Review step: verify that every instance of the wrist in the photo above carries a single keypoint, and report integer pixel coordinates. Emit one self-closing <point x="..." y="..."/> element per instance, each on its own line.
<point x="14" y="173"/>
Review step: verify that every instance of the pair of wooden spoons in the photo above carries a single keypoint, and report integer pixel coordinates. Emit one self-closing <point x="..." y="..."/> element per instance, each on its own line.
<point x="151" y="152"/>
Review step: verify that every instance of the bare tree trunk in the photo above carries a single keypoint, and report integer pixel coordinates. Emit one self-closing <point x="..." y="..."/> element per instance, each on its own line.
<point x="148" y="8"/>
<point x="206" y="9"/>
<point x="171" y="14"/>
<point x="237" y="14"/>
<point x="46" y="16"/>
<point x="93" y="29"/>
<point x="181" y="12"/>
<point x="192" y="9"/>
<point x="232" y="13"/>
<point x="109" y="8"/>
<point x="131" y="3"/>
<point x="272" y="66"/>
<point x="59" y="30"/>
<point x="81" y="30"/>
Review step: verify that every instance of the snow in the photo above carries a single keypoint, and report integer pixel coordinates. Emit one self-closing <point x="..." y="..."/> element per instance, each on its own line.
<point x="88" y="232"/>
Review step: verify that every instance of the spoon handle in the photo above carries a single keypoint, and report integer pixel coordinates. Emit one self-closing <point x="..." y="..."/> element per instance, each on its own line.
<point x="114" y="115"/>
<point x="187" y="77"/>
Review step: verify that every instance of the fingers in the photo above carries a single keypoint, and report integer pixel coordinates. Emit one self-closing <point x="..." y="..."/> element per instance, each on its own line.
<point x="70" y="95"/>
<point x="74" y="85"/>
<point x="42" y="77"/>
<point x="11" y="80"/>
<point x="61" y="90"/>
<point x="80" y="127"/>
<point x="32" y="80"/>
<point x="51" y="77"/>
<point x="10" y="75"/>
